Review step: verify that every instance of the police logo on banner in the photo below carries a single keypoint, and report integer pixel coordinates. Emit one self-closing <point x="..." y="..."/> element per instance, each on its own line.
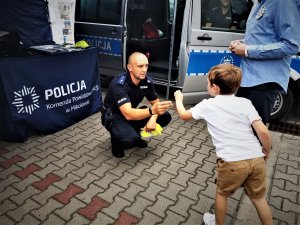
<point x="26" y="100"/>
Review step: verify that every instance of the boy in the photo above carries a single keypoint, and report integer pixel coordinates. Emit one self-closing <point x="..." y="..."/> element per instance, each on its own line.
<point x="240" y="155"/>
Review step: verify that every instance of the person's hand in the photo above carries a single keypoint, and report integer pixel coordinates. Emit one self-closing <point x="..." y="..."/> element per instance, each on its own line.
<point x="151" y="125"/>
<point x="161" y="107"/>
<point x="267" y="153"/>
<point x="178" y="95"/>
<point x="237" y="47"/>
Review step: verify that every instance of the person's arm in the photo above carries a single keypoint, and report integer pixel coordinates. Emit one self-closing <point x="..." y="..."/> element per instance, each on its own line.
<point x="183" y="113"/>
<point x="264" y="136"/>
<point x="285" y="18"/>
<point x="138" y="114"/>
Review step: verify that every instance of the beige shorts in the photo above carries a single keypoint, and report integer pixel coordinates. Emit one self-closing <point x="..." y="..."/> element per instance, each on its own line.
<point x="250" y="173"/>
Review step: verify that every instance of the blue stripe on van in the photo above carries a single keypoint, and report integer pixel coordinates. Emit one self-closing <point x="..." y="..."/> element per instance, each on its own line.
<point x="106" y="46"/>
<point x="200" y="62"/>
<point x="296" y="63"/>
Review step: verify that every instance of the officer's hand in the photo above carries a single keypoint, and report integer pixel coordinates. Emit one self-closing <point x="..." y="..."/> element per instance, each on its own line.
<point x="151" y="125"/>
<point x="161" y="107"/>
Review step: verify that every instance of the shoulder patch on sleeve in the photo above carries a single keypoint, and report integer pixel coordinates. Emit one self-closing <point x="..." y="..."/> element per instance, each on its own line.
<point x="121" y="79"/>
<point x="149" y="79"/>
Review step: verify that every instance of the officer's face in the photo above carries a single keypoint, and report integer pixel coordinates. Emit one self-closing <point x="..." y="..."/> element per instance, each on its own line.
<point x="138" y="67"/>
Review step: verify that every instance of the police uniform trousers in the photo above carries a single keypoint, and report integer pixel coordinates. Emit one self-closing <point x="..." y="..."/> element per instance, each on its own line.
<point x="125" y="134"/>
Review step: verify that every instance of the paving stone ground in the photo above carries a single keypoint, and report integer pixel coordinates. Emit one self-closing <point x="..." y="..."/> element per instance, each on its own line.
<point x="70" y="177"/>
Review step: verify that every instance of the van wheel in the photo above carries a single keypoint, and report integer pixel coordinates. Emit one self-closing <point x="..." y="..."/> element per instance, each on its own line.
<point x="282" y="105"/>
<point x="105" y="80"/>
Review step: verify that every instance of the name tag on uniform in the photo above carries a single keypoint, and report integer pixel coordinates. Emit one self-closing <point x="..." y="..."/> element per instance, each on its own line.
<point x="143" y="87"/>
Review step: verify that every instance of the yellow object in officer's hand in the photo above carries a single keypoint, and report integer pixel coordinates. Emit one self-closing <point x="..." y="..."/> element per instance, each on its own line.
<point x="158" y="130"/>
<point x="81" y="44"/>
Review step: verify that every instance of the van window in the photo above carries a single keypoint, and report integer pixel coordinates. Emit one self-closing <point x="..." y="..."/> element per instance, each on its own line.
<point x="99" y="11"/>
<point x="225" y="15"/>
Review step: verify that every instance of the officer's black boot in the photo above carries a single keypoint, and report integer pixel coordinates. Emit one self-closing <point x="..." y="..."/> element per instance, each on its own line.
<point x="141" y="143"/>
<point x="117" y="151"/>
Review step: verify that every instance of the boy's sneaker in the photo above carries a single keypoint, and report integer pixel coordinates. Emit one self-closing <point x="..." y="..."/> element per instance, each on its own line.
<point x="209" y="219"/>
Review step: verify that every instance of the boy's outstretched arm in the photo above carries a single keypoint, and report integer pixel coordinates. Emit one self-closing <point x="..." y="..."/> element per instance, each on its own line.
<point x="264" y="136"/>
<point x="183" y="114"/>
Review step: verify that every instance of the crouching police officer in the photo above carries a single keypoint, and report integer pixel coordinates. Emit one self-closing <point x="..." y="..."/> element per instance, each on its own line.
<point x="121" y="117"/>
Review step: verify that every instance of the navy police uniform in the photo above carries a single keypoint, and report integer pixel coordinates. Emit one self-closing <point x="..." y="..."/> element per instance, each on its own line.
<point x="126" y="134"/>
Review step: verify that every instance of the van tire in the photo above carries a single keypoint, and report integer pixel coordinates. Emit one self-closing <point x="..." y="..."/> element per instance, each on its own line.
<point x="282" y="105"/>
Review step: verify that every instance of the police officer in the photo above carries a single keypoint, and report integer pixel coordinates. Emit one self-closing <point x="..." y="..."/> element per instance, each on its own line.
<point x="121" y="116"/>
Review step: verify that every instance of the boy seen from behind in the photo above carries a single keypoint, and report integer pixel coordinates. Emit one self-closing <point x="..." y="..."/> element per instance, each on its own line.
<point x="241" y="156"/>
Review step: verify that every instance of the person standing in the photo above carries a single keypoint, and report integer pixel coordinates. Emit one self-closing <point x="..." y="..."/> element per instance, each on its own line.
<point x="241" y="156"/>
<point x="271" y="39"/>
<point x="120" y="114"/>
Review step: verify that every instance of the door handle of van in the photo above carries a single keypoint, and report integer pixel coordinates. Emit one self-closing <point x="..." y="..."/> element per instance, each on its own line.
<point x="204" y="38"/>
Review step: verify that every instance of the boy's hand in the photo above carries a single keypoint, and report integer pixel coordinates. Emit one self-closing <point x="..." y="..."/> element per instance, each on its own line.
<point x="267" y="153"/>
<point x="178" y="95"/>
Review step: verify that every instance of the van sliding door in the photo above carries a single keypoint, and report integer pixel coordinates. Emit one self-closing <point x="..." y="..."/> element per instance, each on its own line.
<point x="100" y="23"/>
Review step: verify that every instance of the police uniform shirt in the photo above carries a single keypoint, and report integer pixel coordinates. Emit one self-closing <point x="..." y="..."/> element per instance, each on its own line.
<point x="122" y="90"/>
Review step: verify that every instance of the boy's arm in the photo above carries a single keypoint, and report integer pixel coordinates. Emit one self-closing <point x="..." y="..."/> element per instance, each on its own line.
<point x="264" y="136"/>
<point x="183" y="114"/>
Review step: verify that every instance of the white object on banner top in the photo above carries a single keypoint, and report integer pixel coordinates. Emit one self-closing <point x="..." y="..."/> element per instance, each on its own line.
<point x="62" y="17"/>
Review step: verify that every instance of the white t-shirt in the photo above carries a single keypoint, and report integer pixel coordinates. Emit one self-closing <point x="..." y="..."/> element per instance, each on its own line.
<point x="229" y="120"/>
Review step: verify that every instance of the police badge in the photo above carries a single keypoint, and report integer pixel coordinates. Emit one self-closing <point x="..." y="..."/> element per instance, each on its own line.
<point x="260" y="12"/>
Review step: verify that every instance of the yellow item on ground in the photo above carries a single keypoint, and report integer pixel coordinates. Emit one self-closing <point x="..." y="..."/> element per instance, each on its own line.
<point x="158" y="130"/>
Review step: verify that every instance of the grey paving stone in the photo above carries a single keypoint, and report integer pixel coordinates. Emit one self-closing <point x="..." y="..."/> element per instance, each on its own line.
<point x="116" y="207"/>
<point x="151" y="192"/>
<point x="46" y="170"/>
<point x="21" y="197"/>
<point x="192" y="191"/>
<point x="105" y="181"/>
<point x="149" y="219"/>
<point x="44" y="196"/>
<point x="125" y="180"/>
<point x="156" y="168"/>
<point x="78" y="220"/>
<point x="11" y="170"/>
<point x="64" y="171"/>
<point x="42" y="212"/>
<point x="144" y="179"/>
<point x="69" y="179"/>
<point x="111" y="192"/>
<point x="182" y="178"/>
<point x="172" y="219"/>
<point x="23" y="184"/>
<point x="182" y="205"/>
<point x="138" y="207"/>
<point x="172" y="191"/>
<point x="68" y="210"/>
<point x="6" y="221"/>
<point x="164" y="179"/>
<point x="54" y="219"/>
<point x="22" y="210"/>
<point x="6" y="206"/>
<point x="28" y="219"/>
<point x="160" y="206"/>
<point x="102" y="219"/>
<point x="86" y="180"/>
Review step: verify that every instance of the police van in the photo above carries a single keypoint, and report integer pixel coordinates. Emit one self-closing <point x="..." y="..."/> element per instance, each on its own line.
<point x="181" y="38"/>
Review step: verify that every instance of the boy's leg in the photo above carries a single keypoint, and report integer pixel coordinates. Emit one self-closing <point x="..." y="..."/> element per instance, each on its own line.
<point x="221" y="208"/>
<point x="263" y="210"/>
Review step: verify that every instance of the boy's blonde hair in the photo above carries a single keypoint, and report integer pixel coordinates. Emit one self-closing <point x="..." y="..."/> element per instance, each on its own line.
<point x="227" y="76"/>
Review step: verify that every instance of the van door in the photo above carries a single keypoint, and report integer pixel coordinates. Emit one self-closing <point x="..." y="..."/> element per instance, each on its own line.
<point x="101" y="24"/>
<point x="211" y="33"/>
